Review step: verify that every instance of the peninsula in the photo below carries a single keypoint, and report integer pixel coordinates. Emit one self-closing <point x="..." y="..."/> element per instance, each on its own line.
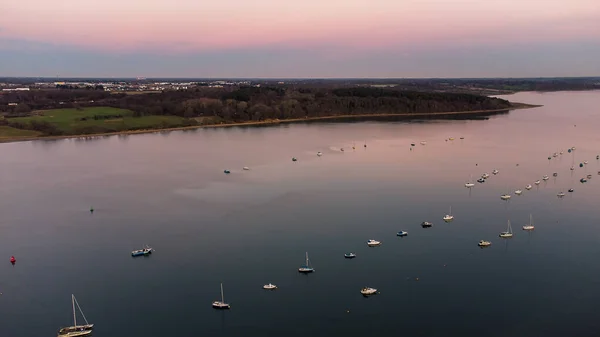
<point x="72" y="112"/>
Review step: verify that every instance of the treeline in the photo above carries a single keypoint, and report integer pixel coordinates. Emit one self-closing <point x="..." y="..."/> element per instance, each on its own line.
<point x="241" y="104"/>
<point x="257" y="104"/>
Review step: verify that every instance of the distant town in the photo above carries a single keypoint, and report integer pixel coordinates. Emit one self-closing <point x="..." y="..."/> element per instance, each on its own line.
<point x="482" y="86"/>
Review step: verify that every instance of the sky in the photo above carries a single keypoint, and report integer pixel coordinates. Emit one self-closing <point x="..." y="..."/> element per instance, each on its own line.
<point x="300" y="39"/>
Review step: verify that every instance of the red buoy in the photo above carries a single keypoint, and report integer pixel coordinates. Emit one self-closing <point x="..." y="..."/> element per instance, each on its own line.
<point x="13" y="260"/>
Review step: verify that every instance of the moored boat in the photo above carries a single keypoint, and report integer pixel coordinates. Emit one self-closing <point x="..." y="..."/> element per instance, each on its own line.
<point x="426" y="224"/>
<point x="142" y="252"/>
<point x="269" y="286"/>
<point x="221" y="304"/>
<point x="306" y="268"/>
<point x="402" y="233"/>
<point x="366" y="291"/>
<point x="484" y="243"/>
<point x="373" y="243"/>
<point x="76" y="330"/>
<point x="349" y="255"/>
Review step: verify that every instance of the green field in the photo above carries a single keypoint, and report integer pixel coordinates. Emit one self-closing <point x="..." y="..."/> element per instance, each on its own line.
<point x="74" y="122"/>
<point x="6" y="132"/>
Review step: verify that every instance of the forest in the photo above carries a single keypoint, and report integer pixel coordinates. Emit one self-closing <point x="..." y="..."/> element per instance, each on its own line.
<point x="252" y="103"/>
<point x="29" y="110"/>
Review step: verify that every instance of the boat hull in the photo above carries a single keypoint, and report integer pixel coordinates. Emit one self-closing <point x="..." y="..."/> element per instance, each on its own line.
<point x="221" y="306"/>
<point x="76" y="333"/>
<point x="306" y="270"/>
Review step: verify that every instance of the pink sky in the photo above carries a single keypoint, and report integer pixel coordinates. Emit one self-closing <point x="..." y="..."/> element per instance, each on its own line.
<point x="200" y="25"/>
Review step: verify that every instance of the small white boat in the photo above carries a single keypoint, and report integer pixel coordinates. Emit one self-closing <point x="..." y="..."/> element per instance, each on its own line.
<point x="528" y="187"/>
<point x="402" y="233"/>
<point x="481" y="180"/>
<point x="560" y="194"/>
<point x="449" y="217"/>
<point x="544" y="178"/>
<point x="373" y="243"/>
<point x="505" y="196"/>
<point x="221" y="304"/>
<point x="306" y="268"/>
<point x="349" y="255"/>
<point x="319" y="154"/>
<point x="485" y="176"/>
<point x="589" y="176"/>
<point x="470" y="183"/>
<point x="484" y="243"/>
<point x="573" y="148"/>
<point x="585" y="162"/>
<point x="366" y="291"/>
<point x="537" y="182"/>
<point x="494" y="172"/>
<point x="246" y="168"/>
<point x="571" y="190"/>
<point x="508" y="233"/>
<point x="423" y="143"/>
<point x="572" y="168"/>
<point x="518" y="192"/>
<point x="530" y="226"/>
<point x="269" y="286"/>
<point x="555" y="154"/>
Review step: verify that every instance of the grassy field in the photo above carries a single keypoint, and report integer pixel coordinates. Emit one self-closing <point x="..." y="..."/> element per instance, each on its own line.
<point x="72" y="121"/>
<point x="6" y="132"/>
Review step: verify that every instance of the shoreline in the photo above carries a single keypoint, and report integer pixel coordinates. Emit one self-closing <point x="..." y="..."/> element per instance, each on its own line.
<point x="515" y="106"/>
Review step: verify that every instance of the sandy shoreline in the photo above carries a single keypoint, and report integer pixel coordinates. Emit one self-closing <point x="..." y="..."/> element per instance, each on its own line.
<point x="270" y="122"/>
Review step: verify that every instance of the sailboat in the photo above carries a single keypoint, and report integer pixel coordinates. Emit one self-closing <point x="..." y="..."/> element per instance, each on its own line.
<point x="306" y="268"/>
<point x="221" y="304"/>
<point x="508" y="233"/>
<point x="530" y="226"/>
<point x="76" y="330"/>
<point x="449" y="217"/>
<point x="470" y="184"/>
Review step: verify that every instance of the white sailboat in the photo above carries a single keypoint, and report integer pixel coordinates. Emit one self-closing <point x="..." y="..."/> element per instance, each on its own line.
<point x="469" y="183"/>
<point x="306" y="268"/>
<point x="449" y="217"/>
<point x="508" y="233"/>
<point x="221" y="304"/>
<point x="76" y="330"/>
<point x="530" y="226"/>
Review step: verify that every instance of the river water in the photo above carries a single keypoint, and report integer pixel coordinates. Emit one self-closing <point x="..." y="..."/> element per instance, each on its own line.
<point x="253" y="227"/>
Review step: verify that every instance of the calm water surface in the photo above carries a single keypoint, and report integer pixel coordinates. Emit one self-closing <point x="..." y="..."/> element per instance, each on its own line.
<point x="253" y="227"/>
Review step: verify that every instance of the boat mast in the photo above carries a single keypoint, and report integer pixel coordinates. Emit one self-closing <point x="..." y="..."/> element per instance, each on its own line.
<point x="307" y="259"/>
<point x="74" y="316"/>
<point x="222" y="297"/>
<point x="81" y="311"/>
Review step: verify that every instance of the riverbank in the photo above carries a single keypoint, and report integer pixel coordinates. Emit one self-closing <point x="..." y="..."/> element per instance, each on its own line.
<point x="515" y="106"/>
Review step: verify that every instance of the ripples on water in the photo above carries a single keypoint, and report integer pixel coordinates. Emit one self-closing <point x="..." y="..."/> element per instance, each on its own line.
<point x="253" y="227"/>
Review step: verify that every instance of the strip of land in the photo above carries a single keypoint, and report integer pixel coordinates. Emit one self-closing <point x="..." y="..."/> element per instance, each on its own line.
<point x="68" y="119"/>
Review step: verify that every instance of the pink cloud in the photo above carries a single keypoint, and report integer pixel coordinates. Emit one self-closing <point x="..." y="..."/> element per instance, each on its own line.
<point x="186" y="25"/>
